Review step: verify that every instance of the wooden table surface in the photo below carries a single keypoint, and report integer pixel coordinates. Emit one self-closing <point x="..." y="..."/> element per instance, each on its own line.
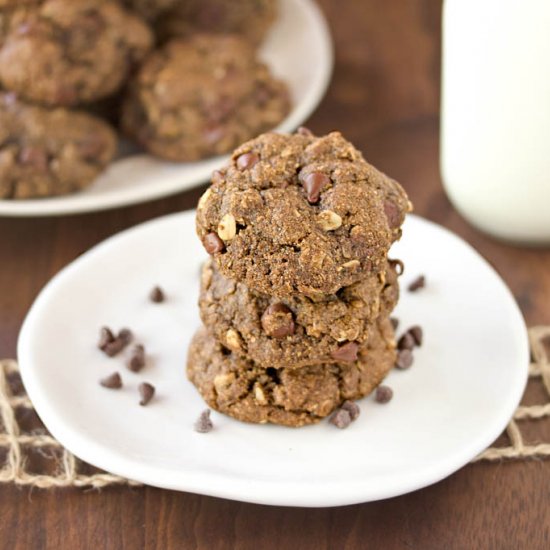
<point x="385" y="98"/>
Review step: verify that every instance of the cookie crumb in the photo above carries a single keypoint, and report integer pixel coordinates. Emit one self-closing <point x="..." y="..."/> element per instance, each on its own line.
<point x="157" y="295"/>
<point x="341" y="419"/>
<point x="352" y="408"/>
<point x="112" y="382"/>
<point x="137" y="359"/>
<point x="417" y="284"/>
<point x="404" y="359"/>
<point x="398" y="265"/>
<point x="383" y="394"/>
<point x="203" y="424"/>
<point x="146" y="392"/>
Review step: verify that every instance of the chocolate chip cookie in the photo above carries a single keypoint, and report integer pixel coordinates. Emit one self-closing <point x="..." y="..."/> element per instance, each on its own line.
<point x="150" y="9"/>
<point x="47" y="152"/>
<point x="297" y="331"/>
<point x="299" y="214"/>
<point x="248" y="18"/>
<point x="240" y="388"/>
<point x="67" y="52"/>
<point x="202" y="97"/>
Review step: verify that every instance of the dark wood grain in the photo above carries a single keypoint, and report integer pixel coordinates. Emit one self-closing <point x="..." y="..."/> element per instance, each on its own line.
<point x="384" y="97"/>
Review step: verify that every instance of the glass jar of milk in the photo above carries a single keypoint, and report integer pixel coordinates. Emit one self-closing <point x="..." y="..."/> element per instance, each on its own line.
<point x="495" y="115"/>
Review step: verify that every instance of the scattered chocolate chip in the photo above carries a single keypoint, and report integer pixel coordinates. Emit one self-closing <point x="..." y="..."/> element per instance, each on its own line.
<point x="114" y="348"/>
<point x="404" y="359"/>
<point x="346" y="353"/>
<point x="156" y="295"/>
<point x="398" y="265"/>
<point x="392" y="214"/>
<point x="246" y="161"/>
<point x="106" y="336"/>
<point x="417" y="333"/>
<point x="278" y="321"/>
<point x="203" y="424"/>
<point x="113" y="381"/>
<point x="303" y="131"/>
<point x="313" y="183"/>
<point x="213" y="244"/>
<point x="417" y="284"/>
<point x="146" y="392"/>
<point x="406" y="341"/>
<point x="341" y="419"/>
<point x="394" y="322"/>
<point x="383" y="394"/>
<point x="125" y="335"/>
<point x="352" y="408"/>
<point x="137" y="359"/>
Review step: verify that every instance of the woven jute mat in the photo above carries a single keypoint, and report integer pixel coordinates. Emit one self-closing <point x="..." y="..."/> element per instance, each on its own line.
<point x="29" y="455"/>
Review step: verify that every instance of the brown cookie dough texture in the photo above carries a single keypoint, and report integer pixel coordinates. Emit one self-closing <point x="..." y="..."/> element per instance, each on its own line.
<point x="239" y="387"/>
<point x="150" y="9"/>
<point x="250" y="19"/>
<point x="299" y="214"/>
<point x="47" y="152"/>
<point x="67" y="52"/>
<point x="202" y="97"/>
<point x="297" y="331"/>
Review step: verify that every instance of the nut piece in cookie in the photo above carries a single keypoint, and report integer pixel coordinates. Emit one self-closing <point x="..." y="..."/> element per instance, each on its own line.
<point x="311" y="215"/>
<point x="47" y="152"/>
<point x="64" y="53"/>
<point x="201" y="97"/>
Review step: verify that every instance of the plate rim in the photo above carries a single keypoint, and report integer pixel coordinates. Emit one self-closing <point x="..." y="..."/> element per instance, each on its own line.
<point x="74" y="204"/>
<point x="273" y="491"/>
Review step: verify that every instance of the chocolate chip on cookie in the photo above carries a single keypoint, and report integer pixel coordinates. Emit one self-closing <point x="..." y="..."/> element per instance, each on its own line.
<point x="278" y="321"/>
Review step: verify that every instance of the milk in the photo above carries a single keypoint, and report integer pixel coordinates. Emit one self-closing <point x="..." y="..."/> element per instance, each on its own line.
<point x="495" y="115"/>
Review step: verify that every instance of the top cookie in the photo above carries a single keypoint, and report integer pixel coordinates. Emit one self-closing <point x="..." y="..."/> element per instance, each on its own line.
<point x="63" y="53"/>
<point x="299" y="214"/>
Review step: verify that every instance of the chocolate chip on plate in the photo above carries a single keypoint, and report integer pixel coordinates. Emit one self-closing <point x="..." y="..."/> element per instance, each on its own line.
<point x="341" y="419"/>
<point x="346" y="353"/>
<point x="406" y="341"/>
<point x="106" y="336"/>
<point x="417" y="284"/>
<point x="383" y="394"/>
<point x="203" y="424"/>
<point x="125" y="335"/>
<point x="113" y="381"/>
<point x="352" y="408"/>
<point x="404" y="359"/>
<point x="137" y="359"/>
<point x="146" y="392"/>
<point x="417" y="333"/>
<point x="157" y="295"/>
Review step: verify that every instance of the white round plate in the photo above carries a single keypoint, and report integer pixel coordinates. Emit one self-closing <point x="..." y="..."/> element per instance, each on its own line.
<point x="451" y="404"/>
<point x="298" y="49"/>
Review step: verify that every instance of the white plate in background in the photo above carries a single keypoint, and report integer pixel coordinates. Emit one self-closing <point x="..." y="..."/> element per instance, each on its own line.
<point x="466" y="381"/>
<point x="298" y="49"/>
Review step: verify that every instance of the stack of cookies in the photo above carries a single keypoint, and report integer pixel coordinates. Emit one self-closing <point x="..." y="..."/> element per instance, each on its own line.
<point x="297" y="294"/>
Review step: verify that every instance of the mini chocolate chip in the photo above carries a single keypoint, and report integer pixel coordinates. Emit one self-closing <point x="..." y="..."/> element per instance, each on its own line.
<point x="341" y="419"/>
<point x="352" y="408"/>
<point x="113" y="381"/>
<point x="146" y="392"/>
<point x="106" y="336"/>
<point x="114" y="348"/>
<point x="392" y="214"/>
<point x="213" y="244"/>
<point x="303" y="131"/>
<point x="346" y="353"/>
<point x="404" y="359"/>
<point x="277" y="321"/>
<point x="246" y="161"/>
<point x="137" y="359"/>
<point x="394" y="322"/>
<point x="125" y="335"/>
<point x="406" y="341"/>
<point x="203" y="424"/>
<point x="398" y="265"/>
<point x="417" y="333"/>
<point x="313" y="183"/>
<point x="417" y="284"/>
<point x="34" y="156"/>
<point x="383" y="394"/>
<point x="156" y="295"/>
